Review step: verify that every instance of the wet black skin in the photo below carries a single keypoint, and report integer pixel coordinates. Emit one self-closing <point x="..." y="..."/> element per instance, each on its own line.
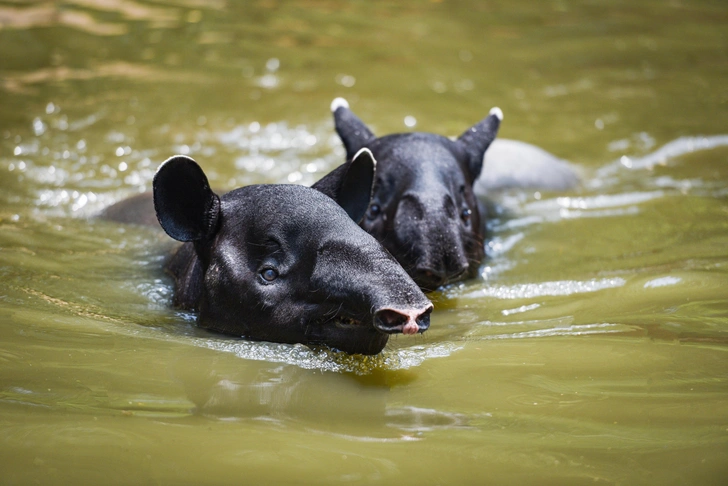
<point x="423" y="209"/>
<point x="286" y="263"/>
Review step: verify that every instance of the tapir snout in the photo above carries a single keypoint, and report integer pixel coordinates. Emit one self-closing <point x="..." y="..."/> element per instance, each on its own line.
<point x="409" y="321"/>
<point x="439" y="258"/>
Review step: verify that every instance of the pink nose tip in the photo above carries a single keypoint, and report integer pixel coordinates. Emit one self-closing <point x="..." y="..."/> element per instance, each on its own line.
<point x="406" y="321"/>
<point x="410" y="327"/>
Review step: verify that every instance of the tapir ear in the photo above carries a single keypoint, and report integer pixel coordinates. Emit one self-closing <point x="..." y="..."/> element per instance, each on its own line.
<point x="186" y="207"/>
<point x="351" y="184"/>
<point x="478" y="138"/>
<point x="352" y="131"/>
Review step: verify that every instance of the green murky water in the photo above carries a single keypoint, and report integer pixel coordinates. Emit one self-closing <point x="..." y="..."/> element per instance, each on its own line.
<point x="593" y="350"/>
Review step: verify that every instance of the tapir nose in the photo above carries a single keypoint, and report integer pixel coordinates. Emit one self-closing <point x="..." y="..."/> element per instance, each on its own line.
<point x="438" y="258"/>
<point x="405" y="321"/>
<point x="428" y="278"/>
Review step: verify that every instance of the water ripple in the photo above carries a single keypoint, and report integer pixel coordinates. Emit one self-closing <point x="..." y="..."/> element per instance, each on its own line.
<point x="671" y="150"/>
<point x="573" y="330"/>
<point x="327" y="360"/>
<point x="556" y="288"/>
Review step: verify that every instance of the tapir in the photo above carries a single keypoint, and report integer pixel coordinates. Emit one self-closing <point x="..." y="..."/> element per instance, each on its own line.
<point x="423" y="209"/>
<point x="282" y="263"/>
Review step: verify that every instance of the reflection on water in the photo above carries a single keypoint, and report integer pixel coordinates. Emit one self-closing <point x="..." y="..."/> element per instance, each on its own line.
<point x="591" y="350"/>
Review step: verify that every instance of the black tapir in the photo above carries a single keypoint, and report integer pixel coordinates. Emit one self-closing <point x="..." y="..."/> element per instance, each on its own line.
<point x="283" y="263"/>
<point x="423" y="208"/>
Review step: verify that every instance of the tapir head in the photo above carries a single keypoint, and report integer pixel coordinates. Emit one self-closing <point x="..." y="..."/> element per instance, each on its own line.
<point x="286" y="263"/>
<point x="423" y="208"/>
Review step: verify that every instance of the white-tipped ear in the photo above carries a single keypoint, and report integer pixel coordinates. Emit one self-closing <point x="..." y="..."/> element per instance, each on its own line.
<point x="476" y="140"/>
<point x="186" y="207"/>
<point x="365" y="152"/>
<point x="351" y="184"/>
<point x="352" y="131"/>
<point x="338" y="103"/>
<point x="357" y="186"/>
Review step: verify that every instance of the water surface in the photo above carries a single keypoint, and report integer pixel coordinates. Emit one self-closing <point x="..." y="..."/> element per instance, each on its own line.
<point x="592" y="349"/>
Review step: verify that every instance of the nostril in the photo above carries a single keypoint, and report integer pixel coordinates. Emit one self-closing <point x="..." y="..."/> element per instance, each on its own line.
<point x="391" y="318"/>
<point x="423" y="320"/>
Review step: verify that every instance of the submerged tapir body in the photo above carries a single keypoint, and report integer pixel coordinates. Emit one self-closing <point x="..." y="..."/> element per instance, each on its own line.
<point x="285" y="263"/>
<point x="423" y="208"/>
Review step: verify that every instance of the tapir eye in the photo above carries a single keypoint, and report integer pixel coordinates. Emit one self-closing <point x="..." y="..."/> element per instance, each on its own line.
<point x="374" y="211"/>
<point x="466" y="214"/>
<point x="269" y="274"/>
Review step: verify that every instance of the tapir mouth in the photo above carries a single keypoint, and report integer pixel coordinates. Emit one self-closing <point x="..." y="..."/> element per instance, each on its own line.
<point x="429" y="280"/>
<point x="344" y="322"/>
